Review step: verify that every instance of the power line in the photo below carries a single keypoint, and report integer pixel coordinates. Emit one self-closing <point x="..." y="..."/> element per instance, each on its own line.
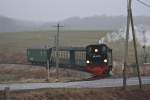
<point x="142" y="2"/>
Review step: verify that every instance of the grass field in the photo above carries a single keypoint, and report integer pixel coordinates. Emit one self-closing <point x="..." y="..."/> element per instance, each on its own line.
<point x="13" y="45"/>
<point x="13" y="49"/>
<point x="23" y="40"/>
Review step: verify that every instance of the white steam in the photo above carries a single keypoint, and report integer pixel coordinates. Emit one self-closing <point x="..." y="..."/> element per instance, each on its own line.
<point x="142" y="35"/>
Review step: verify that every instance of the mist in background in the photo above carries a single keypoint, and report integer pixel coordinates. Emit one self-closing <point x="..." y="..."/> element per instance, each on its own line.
<point x="106" y="15"/>
<point x="56" y="10"/>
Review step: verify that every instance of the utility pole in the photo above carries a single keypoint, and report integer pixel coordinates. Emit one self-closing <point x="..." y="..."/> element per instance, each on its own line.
<point x="48" y="69"/>
<point x="57" y="48"/>
<point x="47" y="63"/>
<point x="130" y="21"/>
<point x="126" y="46"/>
<point x="135" y="51"/>
<point x="144" y="46"/>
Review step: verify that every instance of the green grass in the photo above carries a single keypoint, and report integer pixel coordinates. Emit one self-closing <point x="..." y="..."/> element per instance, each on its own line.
<point x="7" y="78"/>
<point x="20" y="41"/>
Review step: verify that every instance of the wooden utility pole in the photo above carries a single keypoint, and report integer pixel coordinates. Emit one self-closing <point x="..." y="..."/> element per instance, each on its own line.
<point x="57" y="48"/>
<point x="144" y="46"/>
<point x="7" y="93"/>
<point x="126" y="47"/>
<point x="47" y="62"/>
<point x="135" y="51"/>
<point x="130" y="21"/>
<point x="48" y="70"/>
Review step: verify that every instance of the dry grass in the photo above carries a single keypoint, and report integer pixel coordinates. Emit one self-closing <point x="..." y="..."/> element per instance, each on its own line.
<point x="13" y="49"/>
<point x="13" y="45"/>
<point x="131" y="93"/>
<point x="28" y="73"/>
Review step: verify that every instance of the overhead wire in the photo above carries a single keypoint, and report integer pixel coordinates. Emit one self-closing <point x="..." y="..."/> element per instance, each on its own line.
<point x="142" y="2"/>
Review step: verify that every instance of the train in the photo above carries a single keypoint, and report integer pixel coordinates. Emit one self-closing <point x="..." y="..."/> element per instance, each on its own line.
<point x="98" y="59"/>
<point x="38" y="56"/>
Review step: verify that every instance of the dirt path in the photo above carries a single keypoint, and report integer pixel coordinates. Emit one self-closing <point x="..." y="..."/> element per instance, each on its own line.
<point x="131" y="93"/>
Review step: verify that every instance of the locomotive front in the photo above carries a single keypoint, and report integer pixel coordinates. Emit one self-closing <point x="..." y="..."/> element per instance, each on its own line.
<point x="98" y="59"/>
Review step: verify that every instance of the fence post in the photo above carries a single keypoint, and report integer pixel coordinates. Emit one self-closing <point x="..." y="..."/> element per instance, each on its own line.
<point x="48" y="69"/>
<point x="7" y="93"/>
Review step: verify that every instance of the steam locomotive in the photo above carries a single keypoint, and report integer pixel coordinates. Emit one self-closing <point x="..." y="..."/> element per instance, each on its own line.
<point x="98" y="59"/>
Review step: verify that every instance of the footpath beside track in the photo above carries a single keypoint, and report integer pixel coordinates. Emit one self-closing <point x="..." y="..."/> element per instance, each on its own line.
<point x="80" y="84"/>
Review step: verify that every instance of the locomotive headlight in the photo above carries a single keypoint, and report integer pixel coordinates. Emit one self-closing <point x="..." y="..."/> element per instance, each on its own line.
<point x="96" y="50"/>
<point x="87" y="61"/>
<point x="105" y="60"/>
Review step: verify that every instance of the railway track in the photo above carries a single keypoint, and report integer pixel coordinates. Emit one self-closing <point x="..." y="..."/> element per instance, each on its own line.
<point x="96" y="78"/>
<point x="92" y="82"/>
<point x="78" y="68"/>
<point x="93" y="78"/>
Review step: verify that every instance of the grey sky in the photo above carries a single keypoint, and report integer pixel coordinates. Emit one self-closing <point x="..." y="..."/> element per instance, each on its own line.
<point x="54" y="10"/>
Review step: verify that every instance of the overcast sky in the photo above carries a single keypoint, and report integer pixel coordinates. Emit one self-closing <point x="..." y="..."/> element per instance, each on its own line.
<point x="55" y="10"/>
